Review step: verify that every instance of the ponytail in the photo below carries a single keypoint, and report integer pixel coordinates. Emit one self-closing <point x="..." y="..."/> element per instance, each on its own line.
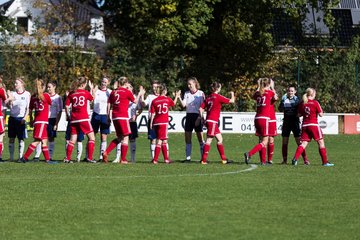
<point x="215" y="86"/>
<point x="160" y="89"/>
<point x="309" y="92"/>
<point x="264" y="82"/>
<point x="77" y="83"/>
<point x="39" y="90"/>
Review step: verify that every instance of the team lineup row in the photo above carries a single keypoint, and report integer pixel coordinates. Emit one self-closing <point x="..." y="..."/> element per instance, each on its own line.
<point x="123" y="104"/>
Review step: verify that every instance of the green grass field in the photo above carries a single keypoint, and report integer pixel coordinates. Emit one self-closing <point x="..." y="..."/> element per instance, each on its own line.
<point x="185" y="201"/>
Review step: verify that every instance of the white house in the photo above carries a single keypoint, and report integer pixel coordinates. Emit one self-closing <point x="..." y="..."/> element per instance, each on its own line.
<point x="25" y="14"/>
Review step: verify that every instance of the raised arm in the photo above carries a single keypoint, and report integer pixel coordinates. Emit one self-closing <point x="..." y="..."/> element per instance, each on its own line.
<point x="232" y="99"/>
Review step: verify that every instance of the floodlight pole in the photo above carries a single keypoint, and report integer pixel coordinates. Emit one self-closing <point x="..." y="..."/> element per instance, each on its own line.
<point x="298" y="74"/>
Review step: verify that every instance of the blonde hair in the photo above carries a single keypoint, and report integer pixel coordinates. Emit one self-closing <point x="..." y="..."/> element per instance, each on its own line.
<point x="160" y="89"/>
<point x="309" y="92"/>
<point x="197" y="84"/>
<point x="78" y="82"/>
<point x="264" y="82"/>
<point x="39" y="90"/>
<point x="122" y="81"/>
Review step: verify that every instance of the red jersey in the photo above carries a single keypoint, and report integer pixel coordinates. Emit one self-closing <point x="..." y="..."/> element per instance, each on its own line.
<point x="160" y="107"/>
<point x="120" y="100"/>
<point x="2" y="99"/>
<point x="309" y="111"/>
<point x="213" y="104"/>
<point x="78" y="100"/>
<point x="41" y="108"/>
<point x="264" y="103"/>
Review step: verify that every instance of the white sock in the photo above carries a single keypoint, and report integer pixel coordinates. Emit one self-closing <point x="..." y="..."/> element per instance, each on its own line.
<point x="152" y="149"/>
<point x="21" y="148"/>
<point x="188" y="151"/>
<point x="38" y="151"/>
<point x="79" y="150"/>
<point x="11" y="151"/>
<point x="133" y="150"/>
<point x="51" y="149"/>
<point x="102" y="149"/>
<point x="118" y="151"/>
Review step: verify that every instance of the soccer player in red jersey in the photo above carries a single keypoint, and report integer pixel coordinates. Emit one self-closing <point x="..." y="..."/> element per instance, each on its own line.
<point x="212" y="105"/>
<point x="263" y="96"/>
<point x="272" y="127"/>
<point x="3" y="98"/>
<point x="40" y="102"/>
<point x="310" y="109"/>
<point x="159" y="121"/>
<point x="76" y="107"/>
<point x="119" y="101"/>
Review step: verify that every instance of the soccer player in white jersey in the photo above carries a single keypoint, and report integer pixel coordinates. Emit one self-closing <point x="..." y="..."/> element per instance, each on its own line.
<point x="147" y="102"/>
<point x="192" y="101"/>
<point x="55" y="111"/>
<point x="19" y="111"/>
<point x="99" y="119"/>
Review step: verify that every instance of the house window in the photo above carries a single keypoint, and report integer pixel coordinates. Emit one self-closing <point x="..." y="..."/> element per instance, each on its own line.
<point x="22" y="24"/>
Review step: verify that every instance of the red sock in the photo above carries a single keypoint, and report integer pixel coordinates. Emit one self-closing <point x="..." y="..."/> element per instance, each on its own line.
<point x="205" y="152"/>
<point x="284" y="152"/>
<point x="45" y="151"/>
<point x="263" y="154"/>
<point x="1" y="148"/>
<point x="124" y="149"/>
<point x="270" y="151"/>
<point x="322" y="152"/>
<point x="298" y="152"/>
<point x="255" y="149"/>
<point x="157" y="153"/>
<point x="69" y="149"/>
<point x="112" y="145"/>
<point x="90" y="149"/>
<point x="29" y="151"/>
<point x="221" y="150"/>
<point x="165" y="151"/>
<point x="304" y="156"/>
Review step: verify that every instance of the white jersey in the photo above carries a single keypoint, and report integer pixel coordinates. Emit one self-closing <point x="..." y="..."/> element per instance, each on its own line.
<point x="20" y="104"/>
<point x="133" y="107"/>
<point x="101" y="100"/>
<point x="149" y="100"/>
<point x="56" y="105"/>
<point x="193" y="101"/>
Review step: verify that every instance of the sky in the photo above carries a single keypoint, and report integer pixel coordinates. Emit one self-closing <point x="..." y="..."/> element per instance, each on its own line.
<point x="2" y="1"/>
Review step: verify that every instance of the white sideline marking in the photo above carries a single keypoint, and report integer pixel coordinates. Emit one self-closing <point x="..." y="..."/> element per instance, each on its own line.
<point x="251" y="168"/>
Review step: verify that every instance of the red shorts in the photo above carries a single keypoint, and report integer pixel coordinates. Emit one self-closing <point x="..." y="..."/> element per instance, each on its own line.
<point x="85" y="127"/>
<point x="272" y="128"/>
<point x="311" y="131"/>
<point x="212" y="128"/>
<point x="262" y="126"/>
<point x="40" y="131"/>
<point x="2" y="125"/>
<point x="161" y="131"/>
<point x="122" y="127"/>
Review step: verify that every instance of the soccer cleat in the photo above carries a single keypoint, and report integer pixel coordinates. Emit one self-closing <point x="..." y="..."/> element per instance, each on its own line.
<point x="90" y="161"/>
<point x="116" y="161"/>
<point x="50" y="162"/>
<point x="186" y="161"/>
<point x="263" y="163"/>
<point x="227" y="161"/>
<point x="124" y="162"/>
<point x="247" y="157"/>
<point x="284" y="162"/>
<point x="105" y="157"/>
<point x="294" y="162"/>
<point x="204" y="162"/>
<point x="328" y="164"/>
<point x="1" y="161"/>
<point x="306" y="162"/>
<point x="167" y="161"/>
<point x="35" y="159"/>
<point x="154" y="162"/>
<point x="269" y="162"/>
<point x="22" y="160"/>
<point x="67" y="161"/>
